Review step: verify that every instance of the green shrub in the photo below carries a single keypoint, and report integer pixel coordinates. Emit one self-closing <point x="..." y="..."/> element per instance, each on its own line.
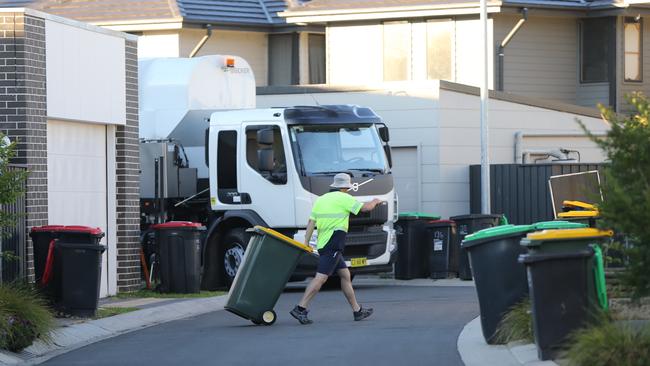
<point x="24" y="317"/>
<point x="610" y="344"/>
<point x="626" y="187"/>
<point x="517" y="324"/>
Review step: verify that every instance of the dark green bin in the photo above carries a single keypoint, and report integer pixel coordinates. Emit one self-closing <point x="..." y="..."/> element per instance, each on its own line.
<point x="269" y="261"/>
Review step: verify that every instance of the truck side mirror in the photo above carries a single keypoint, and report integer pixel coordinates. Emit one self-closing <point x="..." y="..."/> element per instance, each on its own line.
<point x="383" y="134"/>
<point x="265" y="136"/>
<point x="389" y="156"/>
<point x="265" y="160"/>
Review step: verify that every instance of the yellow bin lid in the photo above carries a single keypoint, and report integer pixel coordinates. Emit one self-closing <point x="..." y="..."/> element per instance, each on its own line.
<point x="282" y="237"/>
<point x="569" y="234"/>
<point x="580" y="204"/>
<point x="578" y="214"/>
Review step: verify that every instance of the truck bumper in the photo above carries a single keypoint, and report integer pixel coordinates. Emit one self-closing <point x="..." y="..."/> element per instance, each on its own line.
<point x="307" y="267"/>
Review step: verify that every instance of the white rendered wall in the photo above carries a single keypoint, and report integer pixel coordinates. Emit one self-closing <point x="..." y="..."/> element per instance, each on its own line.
<point x="86" y="75"/>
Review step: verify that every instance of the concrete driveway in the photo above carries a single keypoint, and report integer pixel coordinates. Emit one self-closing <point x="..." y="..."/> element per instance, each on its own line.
<point x="412" y="325"/>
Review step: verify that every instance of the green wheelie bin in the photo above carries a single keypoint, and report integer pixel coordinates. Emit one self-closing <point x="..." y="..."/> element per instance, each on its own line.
<point x="268" y="263"/>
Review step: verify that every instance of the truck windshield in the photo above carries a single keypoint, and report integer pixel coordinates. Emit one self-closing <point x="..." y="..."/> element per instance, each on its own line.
<point x="325" y="149"/>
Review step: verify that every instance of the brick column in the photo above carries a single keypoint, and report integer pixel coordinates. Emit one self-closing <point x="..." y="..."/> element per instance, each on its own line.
<point x="23" y="110"/>
<point x="128" y="178"/>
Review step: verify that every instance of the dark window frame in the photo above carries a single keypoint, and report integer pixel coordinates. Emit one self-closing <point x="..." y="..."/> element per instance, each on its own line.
<point x="608" y="56"/>
<point x="294" y="58"/>
<point x="310" y="37"/>
<point x="227" y="164"/>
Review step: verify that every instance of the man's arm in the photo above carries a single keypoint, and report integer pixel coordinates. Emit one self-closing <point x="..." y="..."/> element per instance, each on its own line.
<point x="369" y="206"/>
<point x="309" y="231"/>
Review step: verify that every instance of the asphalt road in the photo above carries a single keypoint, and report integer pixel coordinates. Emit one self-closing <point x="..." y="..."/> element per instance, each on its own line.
<point x="411" y="326"/>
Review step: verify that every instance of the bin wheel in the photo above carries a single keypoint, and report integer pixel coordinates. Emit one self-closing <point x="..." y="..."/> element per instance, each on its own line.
<point x="234" y="245"/>
<point x="269" y="317"/>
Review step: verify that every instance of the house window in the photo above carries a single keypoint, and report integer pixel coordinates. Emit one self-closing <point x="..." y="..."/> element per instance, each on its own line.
<point x="439" y="48"/>
<point x="283" y="59"/>
<point x="595" y="37"/>
<point x="317" y="59"/>
<point x="633" y="37"/>
<point x="397" y="51"/>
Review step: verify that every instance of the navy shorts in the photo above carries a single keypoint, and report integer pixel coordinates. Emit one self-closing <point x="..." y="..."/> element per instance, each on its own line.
<point x="331" y="256"/>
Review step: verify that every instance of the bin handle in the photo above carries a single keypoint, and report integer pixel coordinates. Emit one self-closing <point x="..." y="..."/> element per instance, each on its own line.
<point x="49" y="264"/>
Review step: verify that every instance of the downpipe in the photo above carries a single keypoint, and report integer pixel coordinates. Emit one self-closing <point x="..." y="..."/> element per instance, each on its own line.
<point x="504" y="43"/>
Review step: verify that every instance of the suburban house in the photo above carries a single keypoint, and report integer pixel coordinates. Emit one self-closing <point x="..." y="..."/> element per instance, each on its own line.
<point x="69" y="99"/>
<point x="279" y="53"/>
<point x="578" y="52"/>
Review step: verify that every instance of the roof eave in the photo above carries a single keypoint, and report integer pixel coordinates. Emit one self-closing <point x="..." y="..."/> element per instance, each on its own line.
<point x="335" y="15"/>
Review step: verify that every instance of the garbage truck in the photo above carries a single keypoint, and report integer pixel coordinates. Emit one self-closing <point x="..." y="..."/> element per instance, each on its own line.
<point x="208" y="155"/>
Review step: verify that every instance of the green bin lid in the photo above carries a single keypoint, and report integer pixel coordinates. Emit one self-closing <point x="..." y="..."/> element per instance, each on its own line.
<point x="497" y="231"/>
<point x="547" y="225"/>
<point x="413" y="215"/>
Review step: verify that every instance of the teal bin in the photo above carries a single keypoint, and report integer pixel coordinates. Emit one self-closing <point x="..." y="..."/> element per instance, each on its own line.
<point x="269" y="261"/>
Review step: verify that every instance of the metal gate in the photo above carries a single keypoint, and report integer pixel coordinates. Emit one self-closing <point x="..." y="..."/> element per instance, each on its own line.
<point x="520" y="191"/>
<point x="13" y="240"/>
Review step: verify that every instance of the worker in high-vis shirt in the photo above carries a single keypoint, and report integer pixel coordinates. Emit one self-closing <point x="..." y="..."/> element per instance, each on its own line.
<point x="331" y="216"/>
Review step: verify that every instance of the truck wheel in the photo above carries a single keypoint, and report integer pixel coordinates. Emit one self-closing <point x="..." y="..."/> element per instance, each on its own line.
<point x="235" y="243"/>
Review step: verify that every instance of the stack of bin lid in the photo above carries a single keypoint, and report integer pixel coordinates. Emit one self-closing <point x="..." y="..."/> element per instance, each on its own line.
<point x="412" y="215"/>
<point x="584" y="235"/>
<point x="578" y="209"/>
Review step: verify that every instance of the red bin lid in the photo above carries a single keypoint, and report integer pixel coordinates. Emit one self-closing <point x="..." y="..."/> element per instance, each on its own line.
<point x="48" y="228"/>
<point x="69" y="228"/>
<point x="177" y="224"/>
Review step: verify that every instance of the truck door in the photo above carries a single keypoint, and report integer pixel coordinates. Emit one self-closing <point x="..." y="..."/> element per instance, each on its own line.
<point x="264" y="174"/>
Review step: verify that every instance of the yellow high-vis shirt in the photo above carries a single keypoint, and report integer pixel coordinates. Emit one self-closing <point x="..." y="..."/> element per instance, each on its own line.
<point x="331" y="212"/>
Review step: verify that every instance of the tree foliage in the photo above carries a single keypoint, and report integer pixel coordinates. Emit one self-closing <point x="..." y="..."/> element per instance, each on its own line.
<point x="11" y="182"/>
<point x="626" y="187"/>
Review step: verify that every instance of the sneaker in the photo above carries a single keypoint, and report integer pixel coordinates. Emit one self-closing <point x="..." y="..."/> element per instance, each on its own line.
<point x="362" y="313"/>
<point x="300" y="315"/>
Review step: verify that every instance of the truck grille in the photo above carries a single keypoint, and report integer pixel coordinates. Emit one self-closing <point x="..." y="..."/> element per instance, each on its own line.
<point x="368" y="244"/>
<point x="377" y="216"/>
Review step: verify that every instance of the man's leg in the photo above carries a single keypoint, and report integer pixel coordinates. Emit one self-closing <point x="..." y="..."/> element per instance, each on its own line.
<point x="312" y="289"/>
<point x="346" y="287"/>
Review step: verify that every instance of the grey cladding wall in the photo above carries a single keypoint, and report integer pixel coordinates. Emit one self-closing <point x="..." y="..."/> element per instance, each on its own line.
<point x="520" y="191"/>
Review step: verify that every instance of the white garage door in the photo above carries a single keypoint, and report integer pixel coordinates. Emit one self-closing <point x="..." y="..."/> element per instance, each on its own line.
<point x="407" y="180"/>
<point x="76" y="178"/>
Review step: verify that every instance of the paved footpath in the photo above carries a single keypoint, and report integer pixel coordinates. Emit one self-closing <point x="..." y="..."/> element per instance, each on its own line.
<point x="412" y="325"/>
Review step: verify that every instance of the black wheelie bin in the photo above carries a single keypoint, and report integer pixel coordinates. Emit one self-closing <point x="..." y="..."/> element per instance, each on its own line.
<point x="465" y="225"/>
<point x="561" y="294"/>
<point x="47" y="261"/>
<point x="441" y="235"/>
<point x="179" y="255"/>
<point x="412" y="246"/>
<point x="268" y="263"/>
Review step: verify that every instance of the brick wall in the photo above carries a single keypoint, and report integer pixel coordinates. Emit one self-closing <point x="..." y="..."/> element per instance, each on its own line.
<point x="128" y="178"/>
<point x="23" y="109"/>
